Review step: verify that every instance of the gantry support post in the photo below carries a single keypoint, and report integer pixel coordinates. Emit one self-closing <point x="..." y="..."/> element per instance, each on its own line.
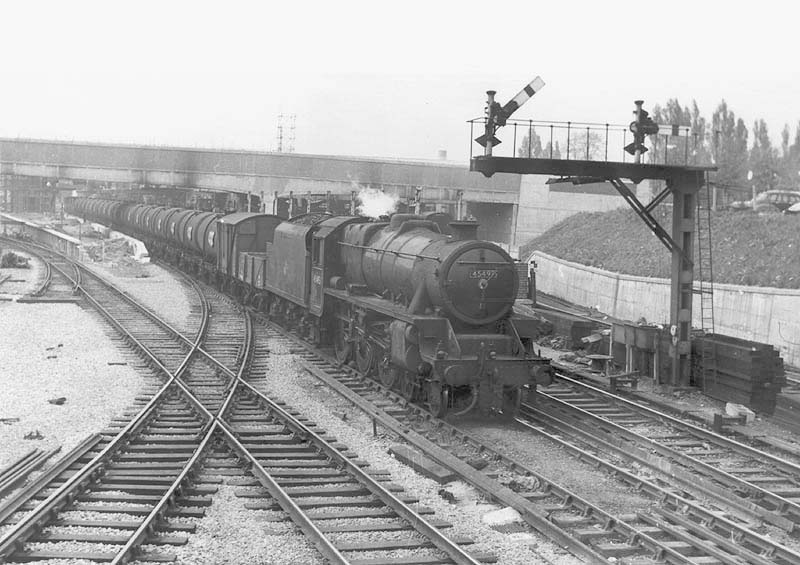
<point x="683" y="183"/>
<point x="684" y="190"/>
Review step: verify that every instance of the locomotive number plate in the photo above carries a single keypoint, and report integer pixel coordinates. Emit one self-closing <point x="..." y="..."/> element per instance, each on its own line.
<point x="487" y="274"/>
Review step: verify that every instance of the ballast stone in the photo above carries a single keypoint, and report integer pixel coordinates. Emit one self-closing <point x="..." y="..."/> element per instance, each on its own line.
<point x="737" y="410"/>
<point x="501" y="517"/>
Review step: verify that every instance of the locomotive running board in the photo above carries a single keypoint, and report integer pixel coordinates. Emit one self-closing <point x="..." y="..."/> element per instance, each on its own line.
<point x="377" y="304"/>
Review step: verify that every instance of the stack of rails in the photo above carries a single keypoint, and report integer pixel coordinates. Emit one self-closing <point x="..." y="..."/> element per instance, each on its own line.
<point x="787" y="409"/>
<point x="745" y="372"/>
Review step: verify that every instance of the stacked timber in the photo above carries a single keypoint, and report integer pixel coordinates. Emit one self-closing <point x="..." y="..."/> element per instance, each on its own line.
<point x="744" y="372"/>
<point x="787" y="409"/>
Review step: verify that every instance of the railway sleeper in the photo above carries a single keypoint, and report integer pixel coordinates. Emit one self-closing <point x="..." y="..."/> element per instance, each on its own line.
<point x="101" y="556"/>
<point x="682" y="526"/>
<point x="124" y="525"/>
<point x="355" y="501"/>
<point x="394" y="544"/>
<point x="169" y="539"/>
<point x="148" y="487"/>
<point x="389" y="527"/>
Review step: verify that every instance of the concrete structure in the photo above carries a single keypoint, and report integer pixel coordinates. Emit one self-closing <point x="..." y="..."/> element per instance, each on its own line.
<point x="510" y="208"/>
<point x="543" y="204"/>
<point x="767" y="315"/>
<point x="48" y="237"/>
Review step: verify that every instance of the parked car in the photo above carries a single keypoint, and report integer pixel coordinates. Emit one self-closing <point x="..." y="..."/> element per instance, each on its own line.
<point x="770" y="200"/>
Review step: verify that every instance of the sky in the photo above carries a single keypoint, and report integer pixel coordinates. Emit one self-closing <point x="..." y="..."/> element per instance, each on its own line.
<point x="386" y="79"/>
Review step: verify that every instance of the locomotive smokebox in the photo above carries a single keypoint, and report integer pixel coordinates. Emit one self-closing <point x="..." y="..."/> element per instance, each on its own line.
<point x="464" y="229"/>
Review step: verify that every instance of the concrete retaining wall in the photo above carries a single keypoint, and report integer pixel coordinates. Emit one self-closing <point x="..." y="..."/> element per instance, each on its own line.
<point x="543" y="205"/>
<point x="768" y="315"/>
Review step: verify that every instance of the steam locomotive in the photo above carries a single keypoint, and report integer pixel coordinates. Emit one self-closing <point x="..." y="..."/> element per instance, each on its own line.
<point x="418" y="303"/>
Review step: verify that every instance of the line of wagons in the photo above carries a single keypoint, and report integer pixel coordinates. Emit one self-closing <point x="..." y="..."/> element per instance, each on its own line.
<point x="418" y="303"/>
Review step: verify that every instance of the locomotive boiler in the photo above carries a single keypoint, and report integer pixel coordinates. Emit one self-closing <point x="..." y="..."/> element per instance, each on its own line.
<point x="472" y="282"/>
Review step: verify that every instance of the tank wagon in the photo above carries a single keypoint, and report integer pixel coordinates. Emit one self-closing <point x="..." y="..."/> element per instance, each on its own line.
<point x="426" y="312"/>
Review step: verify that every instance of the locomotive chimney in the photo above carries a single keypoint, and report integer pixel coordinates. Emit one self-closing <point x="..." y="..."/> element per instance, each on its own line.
<point x="464" y="229"/>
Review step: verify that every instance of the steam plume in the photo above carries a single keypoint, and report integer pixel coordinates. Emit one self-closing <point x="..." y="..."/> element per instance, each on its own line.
<point x="374" y="203"/>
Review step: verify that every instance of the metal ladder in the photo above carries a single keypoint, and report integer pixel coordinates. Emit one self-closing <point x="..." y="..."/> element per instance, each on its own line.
<point x="705" y="278"/>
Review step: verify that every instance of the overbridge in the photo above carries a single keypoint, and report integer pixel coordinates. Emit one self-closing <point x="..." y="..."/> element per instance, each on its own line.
<point x="35" y="172"/>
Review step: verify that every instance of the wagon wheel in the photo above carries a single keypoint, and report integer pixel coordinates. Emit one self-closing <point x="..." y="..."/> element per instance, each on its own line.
<point x="512" y="399"/>
<point x="274" y="310"/>
<point x="314" y="333"/>
<point x="464" y="399"/>
<point x="365" y="355"/>
<point x="341" y="346"/>
<point x="388" y="373"/>
<point x="438" y="398"/>
<point x="266" y="304"/>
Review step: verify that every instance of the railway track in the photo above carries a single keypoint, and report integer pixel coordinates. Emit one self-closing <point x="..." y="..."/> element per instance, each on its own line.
<point x="57" y="285"/>
<point x="786" y="415"/>
<point x="682" y="530"/>
<point x="210" y="412"/>
<point x="329" y="492"/>
<point x="54" y="286"/>
<point x="142" y="472"/>
<point x="755" y="482"/>
<point x="136" y="472"/>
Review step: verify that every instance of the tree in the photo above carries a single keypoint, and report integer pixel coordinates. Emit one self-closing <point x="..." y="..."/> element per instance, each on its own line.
<point x="675" y="151"/>
<point x="789" y="161"/>
<point x="699" y="143"/>
<point x="550" y="152"/>
<point x="585" y="144"/>
<point x="729" y="148"/>
<point x="763" y="159"/>
<point x="528" y="149"/>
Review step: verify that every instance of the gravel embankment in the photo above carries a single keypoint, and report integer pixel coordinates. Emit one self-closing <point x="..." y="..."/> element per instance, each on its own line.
<point x="18" y="282"/>
<point x="44" y="356"/>
<point x="289" y="382"/>
<point x="748" y="249"/>
<point x="153" y="286"/>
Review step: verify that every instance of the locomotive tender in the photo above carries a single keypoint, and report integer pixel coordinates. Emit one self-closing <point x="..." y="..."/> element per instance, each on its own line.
<point x="421" y="305"/>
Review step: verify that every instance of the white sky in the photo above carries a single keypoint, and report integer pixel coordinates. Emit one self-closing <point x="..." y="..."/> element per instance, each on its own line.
<point x="389" y="79"/>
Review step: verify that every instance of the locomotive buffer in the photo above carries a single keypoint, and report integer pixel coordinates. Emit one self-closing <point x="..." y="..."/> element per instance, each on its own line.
<point x="682" y="182"/>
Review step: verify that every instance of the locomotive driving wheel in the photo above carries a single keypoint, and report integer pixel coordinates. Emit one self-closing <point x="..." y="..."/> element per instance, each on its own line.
<point x="341" y="343"/>
<point x="408" y="385"/>
<point x="365" y="355"/>
<point x="464" y="399"/>
<point x="438" y="398"/>
<point x="388" y="373"/>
